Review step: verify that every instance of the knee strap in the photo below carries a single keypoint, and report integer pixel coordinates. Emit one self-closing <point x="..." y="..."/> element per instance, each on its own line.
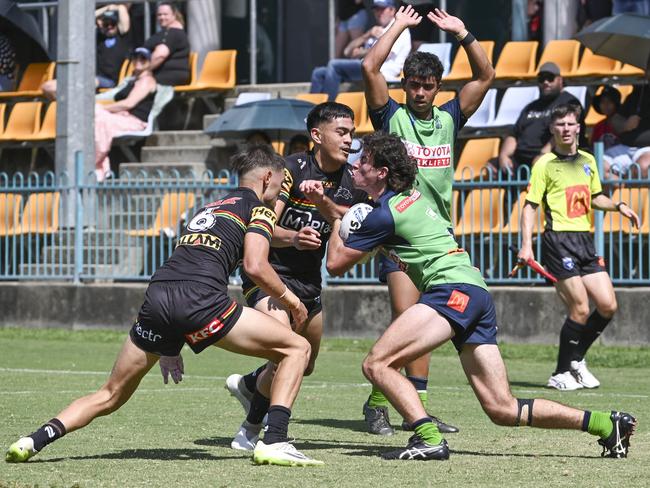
<point x="528" y="402"/>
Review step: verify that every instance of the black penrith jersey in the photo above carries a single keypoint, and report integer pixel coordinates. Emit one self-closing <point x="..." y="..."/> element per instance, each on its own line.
<point x="212" y="243"/>
<point x="300" y="212"/>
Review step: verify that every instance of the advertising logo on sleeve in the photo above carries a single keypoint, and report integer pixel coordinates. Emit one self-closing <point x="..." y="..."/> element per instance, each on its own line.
<point x="429" y="156"/>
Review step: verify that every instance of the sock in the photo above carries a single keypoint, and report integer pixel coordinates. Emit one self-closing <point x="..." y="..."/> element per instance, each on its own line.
<point x="48" y="433"/>
<point x="377" y="398"/>
<point x="569" y="342"/>
<point x="598" y="423"/>
<point x="420" y="385"/>
<point x="250" y="380"/>
<point x="259" y="407"/>
<point x="278" y="425"/>
<point x="428" y="431"/>
<point x="596" y="323"/>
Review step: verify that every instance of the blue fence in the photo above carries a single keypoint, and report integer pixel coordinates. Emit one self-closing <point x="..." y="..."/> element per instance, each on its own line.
<point x="53" y="227"/>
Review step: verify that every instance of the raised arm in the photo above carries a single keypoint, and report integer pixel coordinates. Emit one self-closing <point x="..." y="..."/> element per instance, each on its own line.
<point x="472" y="94"/>
<point x="375" y="83"/>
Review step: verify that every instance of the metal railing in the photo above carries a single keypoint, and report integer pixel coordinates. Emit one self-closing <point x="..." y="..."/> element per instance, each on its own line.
<point x="125" y="228"/>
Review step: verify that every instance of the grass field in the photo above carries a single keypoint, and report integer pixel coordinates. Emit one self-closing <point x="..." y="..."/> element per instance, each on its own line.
<point x="179" y="435"/>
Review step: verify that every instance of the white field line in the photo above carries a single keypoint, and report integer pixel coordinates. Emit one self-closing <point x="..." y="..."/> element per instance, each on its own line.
<point x="306" y="384"/>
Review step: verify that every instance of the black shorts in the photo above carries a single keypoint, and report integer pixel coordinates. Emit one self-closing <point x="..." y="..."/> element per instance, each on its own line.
<point x="308" y="292"/>
<point x="469" y="310"/>
<point x="179" y="312"/>
<point x="568" y="254"/>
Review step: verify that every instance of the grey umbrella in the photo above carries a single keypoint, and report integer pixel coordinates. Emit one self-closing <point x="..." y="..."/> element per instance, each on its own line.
<point x="625" y="37"/>
<point x="280" y="118"/>
<point x="23" y="30"/>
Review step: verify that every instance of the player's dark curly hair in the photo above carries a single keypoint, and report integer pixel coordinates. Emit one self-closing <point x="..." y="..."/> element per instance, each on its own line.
<point x="565" y="109"/>
<point x="256" y="156"/>
<point x="387" y="150"/>
<point x="326" y="112"/>
<point x="423" y="65"/>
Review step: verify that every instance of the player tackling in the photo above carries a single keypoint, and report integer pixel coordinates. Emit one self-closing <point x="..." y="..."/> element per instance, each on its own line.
<point x="454" y="305"/>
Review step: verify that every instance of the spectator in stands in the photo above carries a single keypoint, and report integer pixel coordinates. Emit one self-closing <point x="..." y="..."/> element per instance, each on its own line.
<point x="608" y="103"/>
<point x="590" y="11"/>
<point x="326" y="79"/>
<point x="113" y="24"/>
<point x="258" y="137"/>
<point x="170" y="47"/>
<point x="297" y="144"/>
<point x="7" y="63"/>
<point x="352" y="22"/>
<point x="128" y="113"/>
<point x="531" y="136"/>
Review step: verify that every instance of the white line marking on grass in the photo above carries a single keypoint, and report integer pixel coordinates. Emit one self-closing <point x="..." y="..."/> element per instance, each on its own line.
<point x="305" y="385"/>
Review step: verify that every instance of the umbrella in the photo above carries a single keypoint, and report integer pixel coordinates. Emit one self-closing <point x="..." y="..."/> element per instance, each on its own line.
<point x="280" y="118"/>
<point x="23" y="30"/>
<point x="625" y="37"/>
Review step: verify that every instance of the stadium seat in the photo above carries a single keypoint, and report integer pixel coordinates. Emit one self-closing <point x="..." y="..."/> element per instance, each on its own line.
<point x="47" y="131"/>
<point x="580" y="92"/>
<point x="30" y="84"/>
<point x="41" y="214"/>
<point x="482" y="212"/>
<point x="517" y="60"/>
<point x="440" y="49"/>
<point x="475" y="155"/>
<point x="564" y="53"/>
<point x="3" y="107"/>
<point x="217" y="74"/>
<point x="594" y="65"/>
<point x="594" y="117"/>
<point x="278" y="147"/>
<point x="10" y="206"/>
<point x="248" y="97"/>
<point x="24" y="121"/>
<point x="629" y="70"/>
<point x="168" y="215"/>
<point x="314" y="98"/>
<point x="397" y="94"/>
<point x="637" y="199"/>
<point x="461" y="69"/>
<point x="484" y="115"/>
<point x="514" y="100"/>
<point x="357" y="102"/>
<point x="442" y="97"/>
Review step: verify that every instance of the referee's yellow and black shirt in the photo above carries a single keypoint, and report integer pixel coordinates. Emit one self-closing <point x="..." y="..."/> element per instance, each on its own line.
<point x="565" y="185"/>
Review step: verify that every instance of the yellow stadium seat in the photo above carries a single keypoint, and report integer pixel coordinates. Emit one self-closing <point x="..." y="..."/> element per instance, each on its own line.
<point x="10" y="206"/>
<point x="482" y="212"/>
<point x="637" y="199"/>
<point x="47" y="130"/>
<point x="443" y="97"/>
<point x="30" y="84"/>
<point x="168" y="215"/>
<point x="397" y="94"/>
<point x="564" y="53"/>
<point x="629" y="70"/>
<point x="24" y="121"/>
<point x="594" y="65"/>
<point x="357" y="102"/>
<point x="315" y="98"/>
<point x="461" y="69"/>
<point x="278" y="147"/>
<point x="475" y="155"/>
<point x="41" y="214"/>
<point x="517" y="60"/>
<point x="2" y="117"/>
<point x="217" y="74"/>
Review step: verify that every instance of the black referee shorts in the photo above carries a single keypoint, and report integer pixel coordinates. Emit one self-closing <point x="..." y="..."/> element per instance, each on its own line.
<point x="568" y="254"/>
<point x="179" y="312"/>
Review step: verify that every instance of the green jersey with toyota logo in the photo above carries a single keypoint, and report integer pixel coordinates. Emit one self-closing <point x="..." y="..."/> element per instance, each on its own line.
<point x="431" y="142"/>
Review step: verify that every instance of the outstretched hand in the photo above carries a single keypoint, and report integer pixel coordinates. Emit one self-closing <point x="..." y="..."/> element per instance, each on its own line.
<point x="446" y="22"/>
<point x="172" y="365"/>
<point x="407" y="16"/>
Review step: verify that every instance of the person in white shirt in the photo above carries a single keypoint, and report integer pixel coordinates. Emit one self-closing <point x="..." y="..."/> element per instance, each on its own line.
<point x="326" y="79"/>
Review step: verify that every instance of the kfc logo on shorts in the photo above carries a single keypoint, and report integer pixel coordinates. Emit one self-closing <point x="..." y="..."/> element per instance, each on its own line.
<point x="208" y="331"/>
<point x="568" y="264"/>
<point x="458" y="301"/>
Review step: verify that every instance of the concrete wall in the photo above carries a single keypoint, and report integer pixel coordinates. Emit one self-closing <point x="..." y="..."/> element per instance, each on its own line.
<point x="524" y="314"/>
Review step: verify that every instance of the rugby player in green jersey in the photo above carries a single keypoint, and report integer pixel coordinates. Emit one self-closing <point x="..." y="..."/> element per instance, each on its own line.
<point x="567" y="183"/>
<point x="429" y="133"/>
<point x="454" y="305"/>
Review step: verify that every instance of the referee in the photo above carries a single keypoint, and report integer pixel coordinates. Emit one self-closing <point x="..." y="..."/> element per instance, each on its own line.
<point x="567" y="183"/>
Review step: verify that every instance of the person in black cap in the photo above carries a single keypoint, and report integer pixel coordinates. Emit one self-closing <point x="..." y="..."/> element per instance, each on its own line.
<point x="607" y="102"/>
<point x="531" y="137"/>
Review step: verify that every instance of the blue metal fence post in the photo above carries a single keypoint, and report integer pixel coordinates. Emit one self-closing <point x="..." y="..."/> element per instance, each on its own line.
<point x="599" y="149"/>
<point x="79" y="216"/>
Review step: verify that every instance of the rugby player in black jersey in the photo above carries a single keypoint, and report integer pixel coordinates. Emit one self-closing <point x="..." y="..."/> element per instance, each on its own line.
<point x="298" y="245"/>
<point x="187" y="303"/>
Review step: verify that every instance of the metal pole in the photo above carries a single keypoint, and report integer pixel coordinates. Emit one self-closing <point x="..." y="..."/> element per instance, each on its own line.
<point x="279" y="57"/>
<point x="147" y="20"/>
<point x="331" y="16"/>
<point x="253" y="41"/>
<point x="442" y="34"/>
<point x="599" y="149"/>
<point x="79" y="216"/>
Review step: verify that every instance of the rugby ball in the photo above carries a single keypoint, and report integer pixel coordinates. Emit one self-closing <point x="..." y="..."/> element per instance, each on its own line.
<point x="351" y="221"/>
